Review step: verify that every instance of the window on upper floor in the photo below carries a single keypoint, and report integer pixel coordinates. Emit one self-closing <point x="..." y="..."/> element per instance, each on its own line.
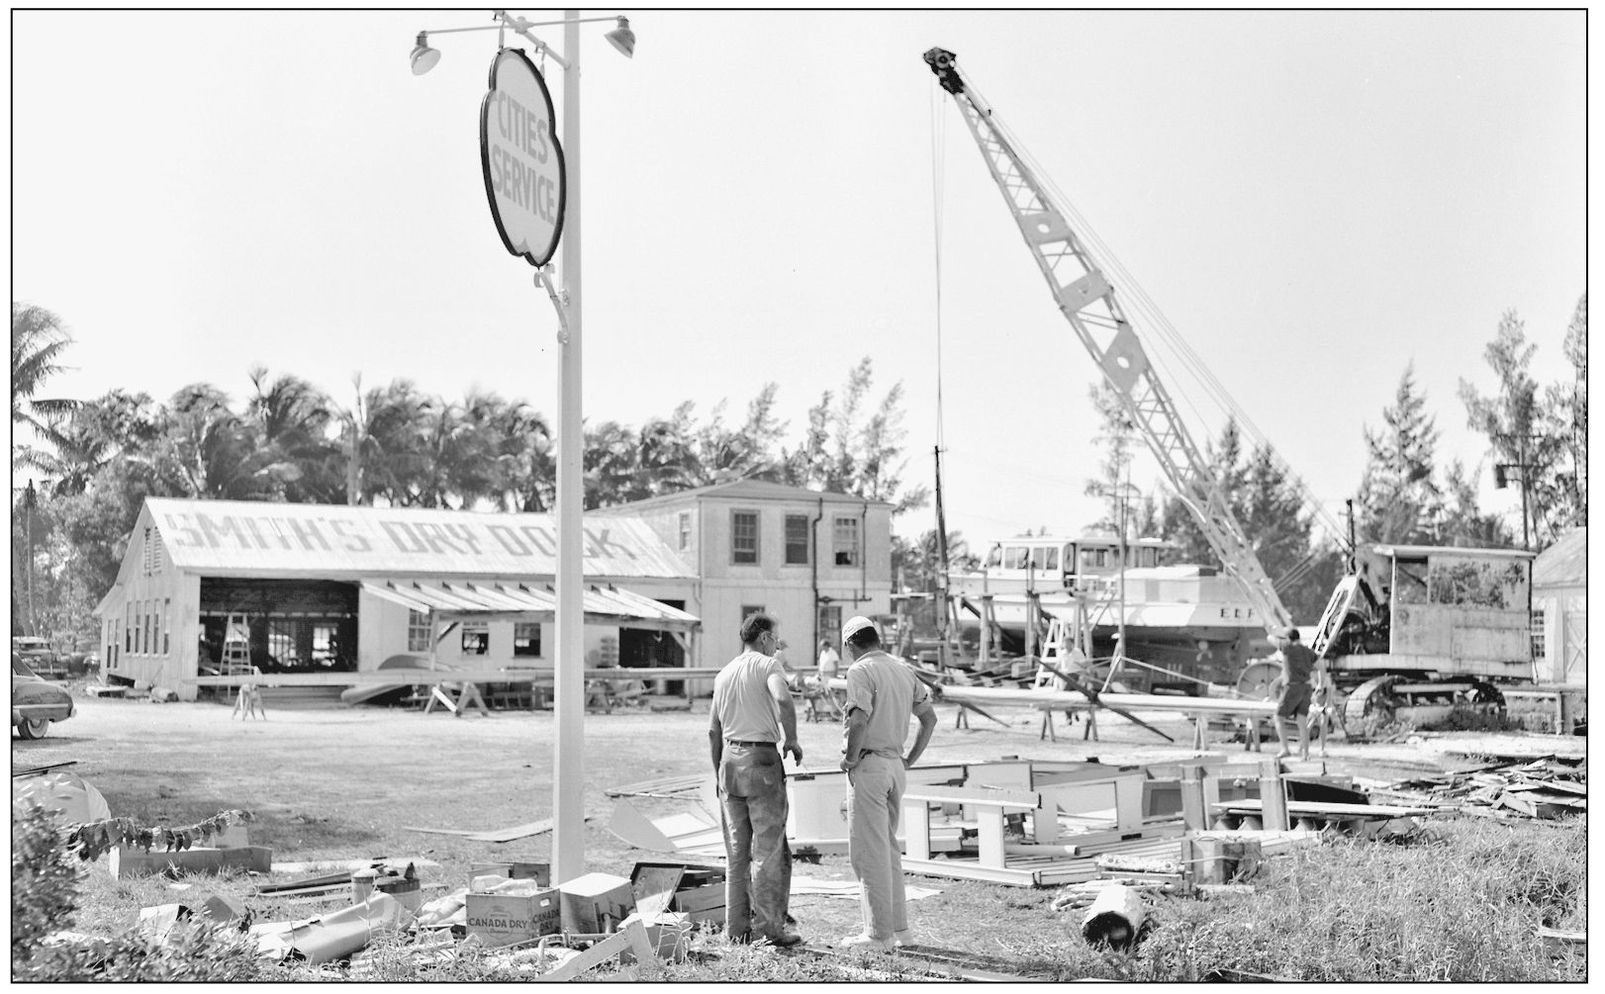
<point x="685" y="530"/>
<point x="796" y="540"/>
<point x="846" y="542"/>
<point x="476" y="638"/>
<point x="744" y="537"/>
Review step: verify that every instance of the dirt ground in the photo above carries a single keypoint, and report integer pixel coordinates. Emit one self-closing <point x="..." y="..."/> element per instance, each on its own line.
<point x="337" y="783"/>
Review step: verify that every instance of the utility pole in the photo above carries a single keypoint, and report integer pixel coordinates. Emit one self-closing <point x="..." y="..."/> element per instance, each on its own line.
<point x="1524" y="468"/>
<point x="29" y="498"/>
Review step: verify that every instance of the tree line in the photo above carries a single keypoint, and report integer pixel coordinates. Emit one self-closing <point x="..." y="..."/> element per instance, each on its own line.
<point x="394" y="445"/>
<point x="1407" y="495"/>
<point x="398" y="445"/>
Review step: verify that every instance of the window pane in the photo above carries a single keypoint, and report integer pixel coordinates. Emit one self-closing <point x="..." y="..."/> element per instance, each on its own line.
<point x="846" y="541"/>
<point x="476" y="639"/>
<point x="419" y="632"/>
<point x="796" y="540"/>
<point x="526" y="638"/>
<point x="744" y="536"/>
<point x="685" y="530"/>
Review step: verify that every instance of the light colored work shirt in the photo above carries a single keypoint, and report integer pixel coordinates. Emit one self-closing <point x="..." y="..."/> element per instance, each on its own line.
<point x="829" y="663"/>
<point x="886" y="690"/>
<point x="742" y="702"/>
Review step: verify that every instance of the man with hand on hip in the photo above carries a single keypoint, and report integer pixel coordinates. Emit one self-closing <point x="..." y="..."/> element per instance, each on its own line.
<point x="882" y="693"/>
<point x="752" y="724"/>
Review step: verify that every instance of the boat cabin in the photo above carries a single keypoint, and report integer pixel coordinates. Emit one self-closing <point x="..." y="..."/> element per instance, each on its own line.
<point x="1043" y="562"/>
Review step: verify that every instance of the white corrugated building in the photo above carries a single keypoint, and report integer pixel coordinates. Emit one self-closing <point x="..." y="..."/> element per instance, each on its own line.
<point x="324" y="591"/>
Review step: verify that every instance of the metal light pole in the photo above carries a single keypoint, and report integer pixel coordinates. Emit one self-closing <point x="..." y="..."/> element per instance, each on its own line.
<point x="568" y="842"/>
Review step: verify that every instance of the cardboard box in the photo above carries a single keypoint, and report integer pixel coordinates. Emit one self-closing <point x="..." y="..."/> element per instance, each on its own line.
<point x="596" y="902"/>
<point x="541" y="873"/>
<point x="503" y="919"/>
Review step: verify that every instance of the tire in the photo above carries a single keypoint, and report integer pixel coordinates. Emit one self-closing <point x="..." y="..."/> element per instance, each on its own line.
<point x="33" y="728"/>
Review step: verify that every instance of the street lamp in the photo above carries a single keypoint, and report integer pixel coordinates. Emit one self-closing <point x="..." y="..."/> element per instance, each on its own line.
<point x="568" y="853"/>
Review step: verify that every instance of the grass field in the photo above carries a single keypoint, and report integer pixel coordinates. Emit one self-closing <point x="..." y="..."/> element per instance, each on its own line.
<point x="342" y="784"/>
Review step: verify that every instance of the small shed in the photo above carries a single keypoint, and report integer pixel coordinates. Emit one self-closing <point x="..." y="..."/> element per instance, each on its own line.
<point x="1560" y="610"/>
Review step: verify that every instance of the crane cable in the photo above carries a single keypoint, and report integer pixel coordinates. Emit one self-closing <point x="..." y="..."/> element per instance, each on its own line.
<point x="938" y="189"/>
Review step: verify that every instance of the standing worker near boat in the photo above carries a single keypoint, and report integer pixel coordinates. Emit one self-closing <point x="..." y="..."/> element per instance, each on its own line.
<point x="752" y="724"/>
<point x="1293" y="705"/>
<point x="882" y="694"/>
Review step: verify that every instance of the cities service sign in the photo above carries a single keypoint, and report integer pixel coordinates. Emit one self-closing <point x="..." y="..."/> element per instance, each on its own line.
<point x="523" y="163"/>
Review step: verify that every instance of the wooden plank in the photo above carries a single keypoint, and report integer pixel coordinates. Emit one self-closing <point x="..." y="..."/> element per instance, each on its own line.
<point x="1020" y="799"/>
<point x="633" y="938"/>
<point x="1316" y="809"/>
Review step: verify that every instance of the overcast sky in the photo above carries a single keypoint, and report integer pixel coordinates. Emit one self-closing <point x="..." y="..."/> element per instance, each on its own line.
<point x="1313" y="200"/>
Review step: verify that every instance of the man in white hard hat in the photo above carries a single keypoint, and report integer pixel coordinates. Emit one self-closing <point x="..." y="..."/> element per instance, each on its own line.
<point x="882" y="694"/>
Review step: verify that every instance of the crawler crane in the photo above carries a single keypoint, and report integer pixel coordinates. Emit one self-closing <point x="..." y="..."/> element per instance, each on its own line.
<point x="1408" y="627"/>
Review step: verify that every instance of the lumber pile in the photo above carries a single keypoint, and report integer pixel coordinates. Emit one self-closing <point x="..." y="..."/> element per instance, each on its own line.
<point x="1549" y="787"/>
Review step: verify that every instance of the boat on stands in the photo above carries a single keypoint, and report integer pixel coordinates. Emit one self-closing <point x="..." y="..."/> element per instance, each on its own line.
<point x="1185" y="625"/>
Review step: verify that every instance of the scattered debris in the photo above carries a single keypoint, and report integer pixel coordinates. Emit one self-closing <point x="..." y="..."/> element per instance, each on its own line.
<point x="1546" y="787"/>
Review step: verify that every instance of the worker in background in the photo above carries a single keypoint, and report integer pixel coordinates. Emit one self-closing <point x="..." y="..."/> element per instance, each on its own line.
<point x="1293" y="705"/>
<point x="752" y="724"/>
<point x="830" y="660"/>
<point x="882" y="693"/>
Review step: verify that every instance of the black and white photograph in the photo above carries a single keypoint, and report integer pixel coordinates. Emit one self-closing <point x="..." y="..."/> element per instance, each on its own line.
<point x="799" y="496"/>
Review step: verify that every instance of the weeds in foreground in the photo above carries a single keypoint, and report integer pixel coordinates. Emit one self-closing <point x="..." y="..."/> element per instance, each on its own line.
<point x="1464" y="909"/>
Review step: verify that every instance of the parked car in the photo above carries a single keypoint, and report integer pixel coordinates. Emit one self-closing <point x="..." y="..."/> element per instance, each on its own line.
<point x="35" y="701"/>
<point x="39" y="656"/>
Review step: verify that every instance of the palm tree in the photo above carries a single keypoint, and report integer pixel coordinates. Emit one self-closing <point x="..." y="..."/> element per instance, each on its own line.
<point x="293" y="419"/>
<point x="611" y="453"/>
<point x="37" y="342"/>
<point x="206" y="450"/>
<point x="525" y="473"/>
<point x="78" y="448"/>
<point x="394" y="454"/>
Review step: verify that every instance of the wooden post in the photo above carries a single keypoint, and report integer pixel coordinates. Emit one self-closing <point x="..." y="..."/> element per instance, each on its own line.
<point x="1273" y="795"/>
<point x="1194" y="813"/>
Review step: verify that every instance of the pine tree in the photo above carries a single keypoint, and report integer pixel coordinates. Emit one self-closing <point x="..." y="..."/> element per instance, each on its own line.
<point x="1399" y="501"/>
<point x="1514" y="422"/>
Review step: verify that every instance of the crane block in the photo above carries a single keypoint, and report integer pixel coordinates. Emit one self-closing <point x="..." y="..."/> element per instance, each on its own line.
<point x="1124" y="361"/>
<point x="1089" y="288"/>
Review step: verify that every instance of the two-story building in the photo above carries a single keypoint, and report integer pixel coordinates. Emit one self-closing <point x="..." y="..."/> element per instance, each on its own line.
<point x="809" y="559"/>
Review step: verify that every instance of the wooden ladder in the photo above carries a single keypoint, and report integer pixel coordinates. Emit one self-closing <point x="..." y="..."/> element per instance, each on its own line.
<point x="236" y="651"/>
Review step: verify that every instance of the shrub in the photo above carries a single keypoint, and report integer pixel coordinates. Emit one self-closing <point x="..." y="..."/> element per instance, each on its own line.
<point x="191" y="951"/>
<point x="46" y="881"/>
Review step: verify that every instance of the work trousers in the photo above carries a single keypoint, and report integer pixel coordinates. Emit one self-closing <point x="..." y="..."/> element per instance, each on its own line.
<point x="875" y="803"/>
<point x="757" y="888"/>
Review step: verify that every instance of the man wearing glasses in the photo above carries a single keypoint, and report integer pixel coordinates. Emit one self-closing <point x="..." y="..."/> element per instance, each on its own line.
<point x="752" y="724"/>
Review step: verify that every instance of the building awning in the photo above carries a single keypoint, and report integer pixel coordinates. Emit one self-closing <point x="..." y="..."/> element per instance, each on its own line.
<point x="499" y="600"/>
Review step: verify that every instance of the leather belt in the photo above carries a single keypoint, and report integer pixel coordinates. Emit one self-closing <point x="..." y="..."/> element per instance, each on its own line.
<point x="738" y="742"/>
